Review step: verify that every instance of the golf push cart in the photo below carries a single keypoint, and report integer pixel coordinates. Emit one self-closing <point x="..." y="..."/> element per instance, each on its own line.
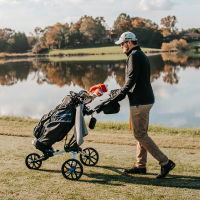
<point x="55" y="125"/>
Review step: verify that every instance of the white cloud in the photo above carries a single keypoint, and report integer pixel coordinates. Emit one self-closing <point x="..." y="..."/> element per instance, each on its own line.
<point x="11" y="1"/>
<point x="156" y="4"/>
<point x="25" y="15"/>
<point x="42" y="1"/>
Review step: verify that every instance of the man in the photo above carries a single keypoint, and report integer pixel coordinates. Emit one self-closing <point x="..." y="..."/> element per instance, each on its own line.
<point x="141" y="98"/>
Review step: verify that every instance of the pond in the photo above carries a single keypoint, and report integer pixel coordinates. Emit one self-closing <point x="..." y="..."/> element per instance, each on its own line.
<point x="30" y="88"/>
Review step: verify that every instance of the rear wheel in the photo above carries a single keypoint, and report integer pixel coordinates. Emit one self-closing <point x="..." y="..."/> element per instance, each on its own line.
<point x="89" y="156"/>
<point x="33" y="161"/>
<point x="72" y="169"/>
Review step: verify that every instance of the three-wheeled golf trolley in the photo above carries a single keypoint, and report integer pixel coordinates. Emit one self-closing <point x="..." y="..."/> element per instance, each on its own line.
<point x="54" y="127"/>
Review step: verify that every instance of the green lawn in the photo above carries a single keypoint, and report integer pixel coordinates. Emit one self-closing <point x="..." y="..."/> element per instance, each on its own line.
<point x="109" y="53"/>
<point x="92" y="50"/>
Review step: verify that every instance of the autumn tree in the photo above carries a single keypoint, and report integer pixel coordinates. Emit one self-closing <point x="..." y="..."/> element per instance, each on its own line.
<point x="56" y="36"/>
<point x="76" y="38"/>
<point x="122" y="23"/>
<point x="139" y="22"/>
<point x="92" y="29"/>
<point x="146" y="31"/>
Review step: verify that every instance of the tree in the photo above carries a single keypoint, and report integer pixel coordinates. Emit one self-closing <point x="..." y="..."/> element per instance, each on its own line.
<point x="56" y="36"/>
<point x="139" y="22"/>
<point x="38" y="33"/>
<point x="122" y="24"/>
<point x="92" y="29"/>
<point x="148" y="37"/>
<point x="169" y="22"/>
<point x="19" y="43"/>
<point x="6" y="36"/>
<point x="76" y="38"/>
<point x="10" y="41"/>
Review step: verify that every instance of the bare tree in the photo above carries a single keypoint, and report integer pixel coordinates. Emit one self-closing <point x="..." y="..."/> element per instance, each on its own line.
<point x="169" y="22"/>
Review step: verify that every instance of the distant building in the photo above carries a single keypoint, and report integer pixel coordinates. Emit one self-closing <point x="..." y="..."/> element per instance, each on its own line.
<point x="111" y="36"/>
<point x="191" y="37"/>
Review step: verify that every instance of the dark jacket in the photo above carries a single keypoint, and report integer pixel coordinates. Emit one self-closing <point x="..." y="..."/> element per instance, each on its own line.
<point x="137" y="79"/>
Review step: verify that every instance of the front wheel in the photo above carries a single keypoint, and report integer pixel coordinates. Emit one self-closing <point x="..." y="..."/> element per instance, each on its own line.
<point x="33" y="161"/>
<point x="72" y="169"/>
<point x="89" y="156"/>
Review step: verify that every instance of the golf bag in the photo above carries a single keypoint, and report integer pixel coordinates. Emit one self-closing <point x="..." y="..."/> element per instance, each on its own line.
<point x="55" y="125"/>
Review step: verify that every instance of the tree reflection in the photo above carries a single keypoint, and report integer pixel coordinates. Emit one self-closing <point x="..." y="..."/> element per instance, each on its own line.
<point x="84" y="74"/>
<point x="170" y="74"/>
<point x="87" y="73"/>
<point x="11" y="73"/>
<point x="174" y="58"/>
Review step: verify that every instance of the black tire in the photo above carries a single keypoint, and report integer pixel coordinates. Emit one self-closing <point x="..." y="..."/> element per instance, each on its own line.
<point x="32" y="161"/>
<point x="72" y="169"/>
<point x="89" y="156"/>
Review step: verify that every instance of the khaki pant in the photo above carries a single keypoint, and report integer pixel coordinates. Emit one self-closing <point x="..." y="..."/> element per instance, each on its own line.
<point x="140" y="122"/>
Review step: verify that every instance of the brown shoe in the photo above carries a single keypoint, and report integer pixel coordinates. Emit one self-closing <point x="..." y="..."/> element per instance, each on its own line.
<point x="135" y="170"/>
<point x="166" y="169"/>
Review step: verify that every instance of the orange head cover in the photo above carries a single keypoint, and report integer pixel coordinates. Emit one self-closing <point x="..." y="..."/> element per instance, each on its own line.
<point x="98" y="90"/>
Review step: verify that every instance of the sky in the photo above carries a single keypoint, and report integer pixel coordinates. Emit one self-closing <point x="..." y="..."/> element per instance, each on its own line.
<point x="25" y="15"/>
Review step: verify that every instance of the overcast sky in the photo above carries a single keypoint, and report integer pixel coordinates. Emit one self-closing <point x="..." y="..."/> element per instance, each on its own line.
<point x="25" y="15"/>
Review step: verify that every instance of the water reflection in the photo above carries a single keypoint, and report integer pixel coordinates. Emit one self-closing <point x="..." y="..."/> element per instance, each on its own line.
<point x="37" y="85"/>
<point x="83" y="74"/>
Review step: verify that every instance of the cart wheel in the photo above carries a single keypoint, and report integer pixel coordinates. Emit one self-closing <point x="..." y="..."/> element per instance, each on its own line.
<point x="72" y="169"/>
<point x="89" y="156"/>
<point x="32" y="161"/>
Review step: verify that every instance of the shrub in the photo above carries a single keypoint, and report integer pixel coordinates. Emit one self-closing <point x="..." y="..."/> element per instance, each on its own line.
<point x="180" y="45"/>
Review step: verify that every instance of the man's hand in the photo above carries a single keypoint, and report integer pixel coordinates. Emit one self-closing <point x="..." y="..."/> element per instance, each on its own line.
<point x="117" y="95"/>
<point x="114" y="93"/>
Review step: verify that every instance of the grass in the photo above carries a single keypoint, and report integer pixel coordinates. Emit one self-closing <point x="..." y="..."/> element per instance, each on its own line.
<point x="116" y="147"/>
<point x="25" y="126"/>
<point x="93" y="51"/>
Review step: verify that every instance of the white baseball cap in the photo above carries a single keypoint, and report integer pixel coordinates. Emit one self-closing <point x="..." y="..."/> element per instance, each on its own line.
<point x="126" y="36"/>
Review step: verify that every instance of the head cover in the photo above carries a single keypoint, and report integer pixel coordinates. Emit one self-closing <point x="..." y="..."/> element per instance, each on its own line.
<point x="125" y="37"/>
<point x="98" y="90"/>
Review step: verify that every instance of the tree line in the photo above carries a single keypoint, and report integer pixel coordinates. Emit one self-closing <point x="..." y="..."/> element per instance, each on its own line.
<point x="89" y="31"/>
<point x="10" y="41"/>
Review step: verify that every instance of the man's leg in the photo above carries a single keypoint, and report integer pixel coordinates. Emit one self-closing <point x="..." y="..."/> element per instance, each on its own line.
<point x="141" y="156"/>
<point x="140" y="121"/>
<point x="141" y="152"/>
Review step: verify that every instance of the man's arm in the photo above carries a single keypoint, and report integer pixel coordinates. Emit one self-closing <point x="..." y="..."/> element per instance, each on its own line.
<point x="132" y="76"/>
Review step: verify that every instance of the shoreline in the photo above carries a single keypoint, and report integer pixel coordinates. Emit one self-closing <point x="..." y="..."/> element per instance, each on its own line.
<point x="99" y="51"/>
